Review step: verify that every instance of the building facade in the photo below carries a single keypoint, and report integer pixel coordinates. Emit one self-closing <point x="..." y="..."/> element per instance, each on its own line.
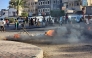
<point x="4" y="12"/>
<point x="31" y="6"/>
<point x="76" y="5"/>
<point x="45" y="6"/>
<point x="12" y="12"/>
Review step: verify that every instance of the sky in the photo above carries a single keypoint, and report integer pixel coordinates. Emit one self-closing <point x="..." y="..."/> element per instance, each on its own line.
<point x="4" y="4"/>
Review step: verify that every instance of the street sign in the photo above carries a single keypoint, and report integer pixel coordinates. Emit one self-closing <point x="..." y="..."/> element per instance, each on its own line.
<point x="84" y="3"/>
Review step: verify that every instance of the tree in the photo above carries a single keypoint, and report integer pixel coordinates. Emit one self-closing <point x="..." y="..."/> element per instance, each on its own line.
<point x="24" y="14"/>
<point x="17" y="4"/>
<point x="57" y="13"/>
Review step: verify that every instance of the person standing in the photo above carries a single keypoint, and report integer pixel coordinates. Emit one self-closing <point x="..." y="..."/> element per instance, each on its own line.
<point x="87" y="19"/>
<point x="43" y="22"/>
<point x="60" y="22"/>
<point x="35" y="20"/>
<point x="32" y="22"/>
<point x="66" y="19"/>
<point x="16" y="24"/>
<point x="38" y="22"/>
<point x="29" y="22"/>
<point x="2" y="24"/>
<point x="23" y="24"/>
<point x="7" y="22"/>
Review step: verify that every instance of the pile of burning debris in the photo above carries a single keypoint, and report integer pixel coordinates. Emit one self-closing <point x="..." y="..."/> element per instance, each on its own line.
<point x="73" y="33"/>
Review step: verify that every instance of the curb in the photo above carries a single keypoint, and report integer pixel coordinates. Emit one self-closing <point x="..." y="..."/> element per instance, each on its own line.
<point x="12" y="49"/>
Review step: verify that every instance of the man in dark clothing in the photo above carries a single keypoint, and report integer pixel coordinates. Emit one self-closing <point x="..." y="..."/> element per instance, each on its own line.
<point x="35" y="20"/>
<point x="66" y="19"/>
<point x="32" y="22"/>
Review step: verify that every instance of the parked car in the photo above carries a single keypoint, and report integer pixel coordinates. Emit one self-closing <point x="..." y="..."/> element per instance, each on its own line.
<point x="75" y="18"/>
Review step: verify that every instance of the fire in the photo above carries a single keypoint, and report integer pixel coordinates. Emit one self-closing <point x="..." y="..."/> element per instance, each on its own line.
<point x="16" y="36"/>
<point x="50" y="33"/>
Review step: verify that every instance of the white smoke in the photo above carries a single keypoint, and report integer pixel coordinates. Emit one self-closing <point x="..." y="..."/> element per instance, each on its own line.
<point x="71" y="33"/>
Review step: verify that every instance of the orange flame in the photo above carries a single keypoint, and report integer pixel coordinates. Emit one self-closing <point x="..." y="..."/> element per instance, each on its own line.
<point x="16" y="36"/>
<point x="50" y="32"/>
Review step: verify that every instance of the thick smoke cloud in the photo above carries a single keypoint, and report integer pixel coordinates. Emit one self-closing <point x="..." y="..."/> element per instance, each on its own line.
<point x="74" y="33"/>
<point x="69" y="33"/>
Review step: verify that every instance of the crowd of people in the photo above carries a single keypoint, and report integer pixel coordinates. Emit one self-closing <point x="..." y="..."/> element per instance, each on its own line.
<point x="20" y="23"/>
<point x="3" y="23"/>
<point x="37" y="22"/>
<point x="34" y="22"/>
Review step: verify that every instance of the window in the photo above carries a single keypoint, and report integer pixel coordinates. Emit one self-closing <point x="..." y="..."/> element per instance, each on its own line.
<point x="39" y="10"/>
<point x="45" y="2"/>
<point x="48" y="2"/>
<point x="48" y="9"/>
<point x="71" y="4"/>
<point x="58" y="2"/>
<point x="43" y="10"/>
<point x="78" y="4"/>
<point x="31" y="3"/>
<point x="41" y="3"/>
<point x="35" y="2"/>
<point x="54" y="1"/>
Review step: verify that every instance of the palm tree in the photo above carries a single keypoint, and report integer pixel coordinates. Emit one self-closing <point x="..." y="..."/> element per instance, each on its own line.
<point x="17" y="4"/>
<point x="12" y="4"/>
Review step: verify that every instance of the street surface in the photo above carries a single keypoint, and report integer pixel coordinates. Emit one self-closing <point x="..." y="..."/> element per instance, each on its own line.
<point x="72" y="49"/>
